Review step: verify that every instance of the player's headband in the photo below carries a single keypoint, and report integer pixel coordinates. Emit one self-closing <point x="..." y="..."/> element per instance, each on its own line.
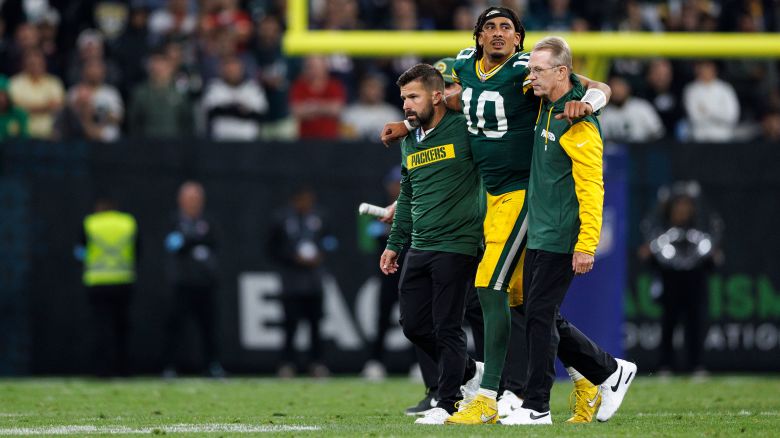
<point x="495" y="13"/>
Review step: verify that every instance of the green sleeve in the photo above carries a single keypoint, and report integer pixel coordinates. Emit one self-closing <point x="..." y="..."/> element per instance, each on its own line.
<point x="401" y="232"/>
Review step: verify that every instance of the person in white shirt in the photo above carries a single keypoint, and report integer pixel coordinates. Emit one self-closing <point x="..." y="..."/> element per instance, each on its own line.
<point x="711" y="105"/>
<point x="364" y="118"/>
<point x="233" y="104"/>
<point x="95" y="108"/>
<point x="628" y="118"/>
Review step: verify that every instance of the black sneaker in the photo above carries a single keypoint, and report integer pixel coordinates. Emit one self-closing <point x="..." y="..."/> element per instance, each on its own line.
<point x="425" y="405"/>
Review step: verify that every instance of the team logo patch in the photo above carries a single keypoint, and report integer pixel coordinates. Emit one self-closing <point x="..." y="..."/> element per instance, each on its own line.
<point x="430" y="156"/>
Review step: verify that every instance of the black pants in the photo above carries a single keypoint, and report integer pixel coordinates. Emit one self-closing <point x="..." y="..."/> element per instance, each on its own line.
<point x="302" y="307"/>
<point x="546" y="279"/>
<point x="430" y="369"/>
<point x="433" y="290"/>
<point x="109" y="306"/>
<point x="198" y="302"/>
<point x="516" y="366"/>
<point x="684" y="301"/>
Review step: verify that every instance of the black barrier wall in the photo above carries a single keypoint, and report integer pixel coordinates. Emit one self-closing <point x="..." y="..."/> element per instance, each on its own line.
<point x="47" y="188"/>
<point x="741" y="183"/>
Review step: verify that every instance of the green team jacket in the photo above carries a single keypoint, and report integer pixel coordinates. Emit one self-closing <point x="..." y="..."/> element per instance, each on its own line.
<point x="566" y="191"/>
<point x="438" y="207"/>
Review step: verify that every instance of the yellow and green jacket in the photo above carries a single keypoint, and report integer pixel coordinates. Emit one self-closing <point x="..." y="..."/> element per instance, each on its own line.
<point x="566" y="189"/>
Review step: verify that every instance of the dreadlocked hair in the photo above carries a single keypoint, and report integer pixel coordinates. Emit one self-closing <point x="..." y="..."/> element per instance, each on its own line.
<point x="483" y="19"/>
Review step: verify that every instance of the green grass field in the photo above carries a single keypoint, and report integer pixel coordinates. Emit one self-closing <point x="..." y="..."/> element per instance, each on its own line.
<point x="720" y="406"/>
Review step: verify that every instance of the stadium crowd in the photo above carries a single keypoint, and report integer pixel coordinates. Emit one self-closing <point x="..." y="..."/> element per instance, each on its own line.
<point x="106" y="69"/>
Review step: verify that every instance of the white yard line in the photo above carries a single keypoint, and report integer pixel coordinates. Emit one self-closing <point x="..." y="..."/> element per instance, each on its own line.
<point x="742" y="413"/>
<point x="173" y="428"/>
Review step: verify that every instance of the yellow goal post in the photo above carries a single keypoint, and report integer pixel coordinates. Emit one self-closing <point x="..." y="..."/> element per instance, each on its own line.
<point x="300" y="40"/>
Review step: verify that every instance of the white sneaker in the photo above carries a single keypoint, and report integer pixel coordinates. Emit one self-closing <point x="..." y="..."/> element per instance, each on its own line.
<point x="470" y="388"/>
<point x="508" y="403"/>
<point x="614" y="389"/>
<point x="524" y="416"/>
<point x="433" y="416"/>
<point x="374" y="371"/>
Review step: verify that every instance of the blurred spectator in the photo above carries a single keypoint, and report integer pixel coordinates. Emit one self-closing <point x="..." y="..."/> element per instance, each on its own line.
<point x="234" y="104"/>
<point x="340" y="15"/>
<point x="26" y="38"/>
<point x="683" y="244"/>
<point x="90" y="47"/>
<point x="770" y="127"/>
<point x="192" y="245"/>
<point x="403" y="16"/>
<point x="555" y="17"/>
<point x="660" y="92"/>
<point x="13" y="120"/>
<point x="365" y="118"/>
<point x="131" y="49"/>
<point x="463" y="18"/>
<point x="225" y="16"/>
<point x="109" y="17"/>
<point x="109" y="249"/>
<point x="711" y="105"/>
<point x="627" y="118"/>
<point x="274" y="69"/>
<point x="640" y="18"/>
<point x="214" y="47"/>
<point x="317" y="100"/>
<point x="175" y="22"/>
<point x="95" y="109"/>
<point x="186" y="75"/>
<point x="49" y="43"/>
<point x="298" y="242"/>
<point x="158" y="109"/>
<point x="38" y="93"/>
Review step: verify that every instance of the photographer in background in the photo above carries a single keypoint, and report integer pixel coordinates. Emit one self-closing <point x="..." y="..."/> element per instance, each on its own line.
<point x="683" y="245"/>
<point x="298" y="243"/>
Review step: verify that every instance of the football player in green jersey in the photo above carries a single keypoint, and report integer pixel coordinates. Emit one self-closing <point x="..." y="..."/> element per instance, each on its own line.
<point x="500" y="110"/>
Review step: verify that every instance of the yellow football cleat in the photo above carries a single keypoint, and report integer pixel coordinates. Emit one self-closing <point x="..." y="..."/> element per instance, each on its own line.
<point x="584" y="401"/>
<point x="481" y="410"/>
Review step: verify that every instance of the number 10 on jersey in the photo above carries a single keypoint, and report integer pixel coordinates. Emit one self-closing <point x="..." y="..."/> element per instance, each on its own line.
<point x="498" y="122"/>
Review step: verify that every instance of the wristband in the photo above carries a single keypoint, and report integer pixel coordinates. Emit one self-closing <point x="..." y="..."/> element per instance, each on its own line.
<point x="408" y="125"/>
<point x="596" y="98"/>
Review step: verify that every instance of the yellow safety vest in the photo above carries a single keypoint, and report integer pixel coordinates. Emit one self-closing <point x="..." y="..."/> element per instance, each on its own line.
<point x="110" y="250"/>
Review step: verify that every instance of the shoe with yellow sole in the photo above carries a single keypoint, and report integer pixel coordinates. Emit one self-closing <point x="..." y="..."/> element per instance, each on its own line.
<point x="481" y="410"/>
<point x="584" y="401"/>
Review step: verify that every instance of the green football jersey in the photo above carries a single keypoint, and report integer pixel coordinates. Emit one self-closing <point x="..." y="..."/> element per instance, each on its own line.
<point x="500" y="109"/>
<point x="438" y="208"/>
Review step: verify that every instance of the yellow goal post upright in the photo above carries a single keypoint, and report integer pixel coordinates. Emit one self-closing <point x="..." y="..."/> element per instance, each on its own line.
<point x="299" y="40"/>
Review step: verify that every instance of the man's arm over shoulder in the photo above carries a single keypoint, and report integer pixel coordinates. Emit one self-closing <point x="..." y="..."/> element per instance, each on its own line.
<point x="583" y="144"/>
<point x="596" y="97"/>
